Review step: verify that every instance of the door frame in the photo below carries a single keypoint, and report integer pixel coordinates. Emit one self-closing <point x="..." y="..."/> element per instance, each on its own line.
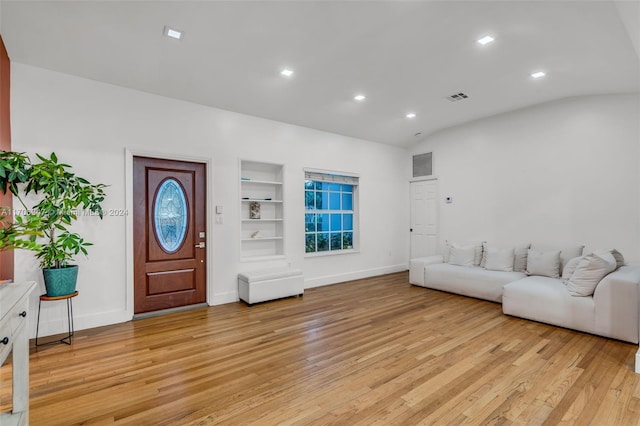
<point x="422" y="179"/>
<point x="163" y="155"/>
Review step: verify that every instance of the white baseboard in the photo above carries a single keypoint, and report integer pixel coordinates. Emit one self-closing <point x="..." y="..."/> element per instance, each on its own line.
<point x="356" y="275"/>
<point x="638" y="361"/>
<point x="222" y="298"/>
<point x="58" y="325"/>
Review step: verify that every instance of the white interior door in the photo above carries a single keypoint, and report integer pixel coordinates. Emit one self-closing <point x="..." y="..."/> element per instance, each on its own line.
<point x="424" y="218"/>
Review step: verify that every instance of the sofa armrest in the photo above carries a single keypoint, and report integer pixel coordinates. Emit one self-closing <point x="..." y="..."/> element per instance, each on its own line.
<point x="417" y="265"/>
<point x="432" y="260"/>
<point x="617" y="304"/>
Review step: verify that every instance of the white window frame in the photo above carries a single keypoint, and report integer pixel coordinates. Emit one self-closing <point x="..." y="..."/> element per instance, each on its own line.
<point x="342" y="178"/>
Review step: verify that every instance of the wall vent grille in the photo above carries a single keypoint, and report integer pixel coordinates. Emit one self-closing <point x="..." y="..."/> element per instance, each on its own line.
<point x="422" y="164"/>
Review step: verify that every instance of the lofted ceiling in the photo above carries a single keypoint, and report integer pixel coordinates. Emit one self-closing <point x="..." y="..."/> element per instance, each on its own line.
<point x="404" y="56"/>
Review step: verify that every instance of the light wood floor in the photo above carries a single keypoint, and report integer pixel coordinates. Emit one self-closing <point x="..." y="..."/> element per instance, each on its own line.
<point x="373" y="351"/>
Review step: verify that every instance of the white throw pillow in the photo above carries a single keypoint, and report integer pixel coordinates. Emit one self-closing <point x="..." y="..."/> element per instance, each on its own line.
<point x="566" y="252"/>
<point x="545" y="263"/>
<point x="477" y="245"/>
<point x="616" y="255"/>
<point x="520" y="258"/>
<point x="570" y="267"/>
<point x="499" y="259"/>
<point x="591" y="269"/>
<point x="485" y="247"/>
<point x="462" y="256"/>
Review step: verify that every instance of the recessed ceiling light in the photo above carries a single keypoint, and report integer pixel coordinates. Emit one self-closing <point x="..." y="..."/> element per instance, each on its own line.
<point x="538" y="74"/>
<point x="359" y="98"/>
<point x="410" y="115"/>
<point x="485" y="40"/>
<point x="173" y="33"/>
<point x="286" y="72"/>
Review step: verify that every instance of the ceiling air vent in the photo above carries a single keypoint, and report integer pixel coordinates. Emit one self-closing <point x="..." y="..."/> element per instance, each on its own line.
<point x="457" y="97"/>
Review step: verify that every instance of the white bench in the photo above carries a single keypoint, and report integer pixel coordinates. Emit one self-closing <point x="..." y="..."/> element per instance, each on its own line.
<point x="270" y="284"/>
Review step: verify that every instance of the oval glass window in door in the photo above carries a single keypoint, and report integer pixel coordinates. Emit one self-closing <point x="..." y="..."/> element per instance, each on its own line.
<point x="170" y="215"/>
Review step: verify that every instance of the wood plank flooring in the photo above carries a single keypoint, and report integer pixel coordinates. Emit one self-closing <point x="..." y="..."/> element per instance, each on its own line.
<point x="376" y="351"/>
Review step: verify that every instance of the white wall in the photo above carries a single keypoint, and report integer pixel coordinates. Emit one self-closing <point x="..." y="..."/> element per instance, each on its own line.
<point x="89" y="125"/>
<point x="629" y="12"/>
<point x="561" y="172"/>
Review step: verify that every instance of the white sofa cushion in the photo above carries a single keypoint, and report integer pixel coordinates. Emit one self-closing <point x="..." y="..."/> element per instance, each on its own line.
<point x="462" y="255"/>
<point x="498" y="259"/>
<point x="416" y="268"/>
<point x="590" y="270"/>
<point x="547" y="300"/>
<point x="474" y="282"/>
<point x="544" y="263"/>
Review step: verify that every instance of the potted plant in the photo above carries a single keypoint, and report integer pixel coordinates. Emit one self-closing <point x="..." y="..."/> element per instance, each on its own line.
<point x="44" y="228"/>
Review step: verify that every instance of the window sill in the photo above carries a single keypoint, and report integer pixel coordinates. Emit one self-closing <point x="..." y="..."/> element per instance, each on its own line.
<point x="331" y="253"/>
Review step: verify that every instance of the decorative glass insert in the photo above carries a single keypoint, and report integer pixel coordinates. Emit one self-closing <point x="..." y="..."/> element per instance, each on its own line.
<point x="170" y="215"/>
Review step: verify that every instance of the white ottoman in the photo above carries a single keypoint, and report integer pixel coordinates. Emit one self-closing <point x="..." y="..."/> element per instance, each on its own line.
<point x="270" y="284"/>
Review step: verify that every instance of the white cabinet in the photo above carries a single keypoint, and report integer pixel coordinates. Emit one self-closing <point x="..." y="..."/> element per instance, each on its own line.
<point x="261" y="211"/>
<point x="14" y="311"/>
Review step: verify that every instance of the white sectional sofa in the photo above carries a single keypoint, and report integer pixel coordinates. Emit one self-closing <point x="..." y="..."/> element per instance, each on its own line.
<point x="612" y="310"/>
<point x="472" y="281"/>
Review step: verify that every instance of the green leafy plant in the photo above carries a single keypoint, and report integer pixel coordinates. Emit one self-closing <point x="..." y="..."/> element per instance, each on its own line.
<point x="20" y="234"/>
<point x="61" y="195"/>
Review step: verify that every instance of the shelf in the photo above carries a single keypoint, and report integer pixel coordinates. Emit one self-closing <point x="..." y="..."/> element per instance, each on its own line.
<point x="249" y="200"/>
<point x="261" y="182"/>
<point x="261" y="239"/>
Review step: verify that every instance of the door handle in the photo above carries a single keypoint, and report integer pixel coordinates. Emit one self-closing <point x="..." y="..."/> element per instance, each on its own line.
<point x="200" y="245"/>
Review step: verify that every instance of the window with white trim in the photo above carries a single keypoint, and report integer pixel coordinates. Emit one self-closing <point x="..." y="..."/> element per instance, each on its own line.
<point x="330" y="212"/>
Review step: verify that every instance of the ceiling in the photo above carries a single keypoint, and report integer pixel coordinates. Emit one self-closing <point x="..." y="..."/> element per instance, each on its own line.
<point x="404" y="56"/>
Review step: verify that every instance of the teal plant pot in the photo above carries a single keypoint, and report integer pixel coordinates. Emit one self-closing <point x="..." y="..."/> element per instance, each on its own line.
<point x="60" y="282"/>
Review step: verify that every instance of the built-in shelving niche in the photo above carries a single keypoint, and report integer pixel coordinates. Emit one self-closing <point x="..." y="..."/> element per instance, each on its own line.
<point x="263" y="238"/>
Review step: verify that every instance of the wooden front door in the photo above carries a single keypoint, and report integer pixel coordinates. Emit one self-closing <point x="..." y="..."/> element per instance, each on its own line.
<point x="169" y="217"/>
<point x="6" y="200"/>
